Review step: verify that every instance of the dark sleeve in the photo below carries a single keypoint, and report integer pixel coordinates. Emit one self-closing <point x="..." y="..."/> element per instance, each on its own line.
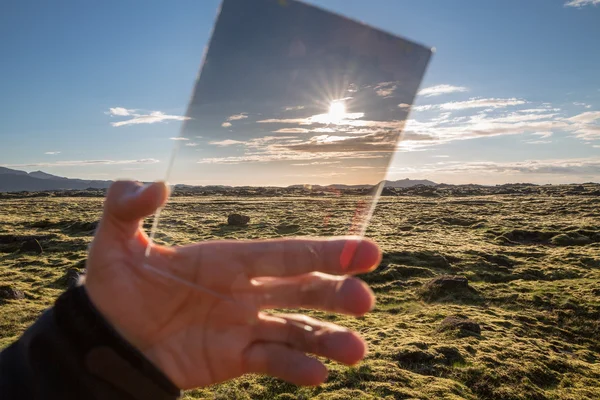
<point x="71" y="352"/>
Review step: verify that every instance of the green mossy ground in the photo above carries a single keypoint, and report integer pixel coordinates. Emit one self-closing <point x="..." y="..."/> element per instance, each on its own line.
<point x="532" y="261"/>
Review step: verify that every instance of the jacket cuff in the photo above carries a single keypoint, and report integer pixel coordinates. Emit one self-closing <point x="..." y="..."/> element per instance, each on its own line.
<point x="104" y="353"/>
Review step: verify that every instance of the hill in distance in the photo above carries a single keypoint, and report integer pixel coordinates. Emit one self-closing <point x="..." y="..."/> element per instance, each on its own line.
<point x="402" y="183"/>
<point x="45" y="175"/>
<point x="12" y="180"/>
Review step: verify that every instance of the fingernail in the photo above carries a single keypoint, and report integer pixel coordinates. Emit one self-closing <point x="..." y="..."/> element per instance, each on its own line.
<point x="146" y="186"/>
<point x="143" y="188"/>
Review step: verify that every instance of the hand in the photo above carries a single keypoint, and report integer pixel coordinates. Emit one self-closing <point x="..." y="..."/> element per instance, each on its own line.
<point x="201" y="337"/>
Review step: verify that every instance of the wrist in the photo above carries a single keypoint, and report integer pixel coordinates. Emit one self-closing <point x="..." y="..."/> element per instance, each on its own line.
<point x="104" y="352"/>
<point x="94" y="295"/>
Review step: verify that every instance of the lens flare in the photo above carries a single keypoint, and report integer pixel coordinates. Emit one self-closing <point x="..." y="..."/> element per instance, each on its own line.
<point x="337" y="111"/>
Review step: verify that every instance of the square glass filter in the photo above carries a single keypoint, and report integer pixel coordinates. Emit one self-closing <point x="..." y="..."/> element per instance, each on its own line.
<point x="291" y="126"/>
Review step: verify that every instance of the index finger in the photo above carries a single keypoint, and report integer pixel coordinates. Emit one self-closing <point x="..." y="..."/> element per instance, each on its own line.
<point x="291" y="257"/>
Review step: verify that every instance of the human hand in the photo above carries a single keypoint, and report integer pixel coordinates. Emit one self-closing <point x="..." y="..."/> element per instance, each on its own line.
<point x="198" y="338"/>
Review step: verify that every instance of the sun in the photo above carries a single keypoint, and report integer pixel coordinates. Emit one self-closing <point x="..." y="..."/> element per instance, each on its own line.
<point x="337" y="114"/>
<point x="337" y="111"/>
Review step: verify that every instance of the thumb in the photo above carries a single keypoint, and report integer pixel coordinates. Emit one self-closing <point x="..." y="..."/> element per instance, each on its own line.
<point x="127" y="203"/>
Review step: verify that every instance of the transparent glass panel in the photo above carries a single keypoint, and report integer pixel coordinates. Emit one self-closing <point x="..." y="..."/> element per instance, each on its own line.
<point x="291" y="125"/>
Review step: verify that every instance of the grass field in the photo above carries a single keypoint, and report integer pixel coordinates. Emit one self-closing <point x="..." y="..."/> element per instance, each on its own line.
<point x="532" y="261"/>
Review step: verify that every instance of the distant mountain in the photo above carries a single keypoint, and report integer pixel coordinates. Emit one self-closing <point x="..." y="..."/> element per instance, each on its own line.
<point x="12" y="180"/>
<point x="405" y="183"/>
<point x="8" y="171"/>
<point x="402" y="183"/>
<point x="45" y="175"/>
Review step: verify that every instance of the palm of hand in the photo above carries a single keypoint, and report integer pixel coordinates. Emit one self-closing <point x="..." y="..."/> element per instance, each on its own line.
<point x="217" y="331"/>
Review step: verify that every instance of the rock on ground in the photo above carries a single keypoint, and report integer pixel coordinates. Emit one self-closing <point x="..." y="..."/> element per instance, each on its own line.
<point x="31" y="246"/>
<point x="8" y="292"/>
<point x="238" y="220"/>
<point x="462" y="324"/>
<point x="445" y="286"/>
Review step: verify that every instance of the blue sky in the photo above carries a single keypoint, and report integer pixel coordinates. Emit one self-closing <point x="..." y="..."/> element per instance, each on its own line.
<point x="512" y="93"/>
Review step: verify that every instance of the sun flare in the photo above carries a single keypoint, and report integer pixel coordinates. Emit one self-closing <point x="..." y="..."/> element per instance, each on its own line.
<point x="337" y="111"/>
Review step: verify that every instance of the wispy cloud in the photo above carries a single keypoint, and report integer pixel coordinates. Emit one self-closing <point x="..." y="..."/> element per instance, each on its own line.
<point x="481" y="125"/>
<point x="179" y="138"/>
<point x="586" y="117"/>
<point x="191" y="144"/>
<point x="292" y="130"/>
<point x="237" y="117"/>
<point x="491" y="103"/>
<point x="355" y="137"/>
<point x="537" y="110"/>
<point x="367" y="167"/>
<point x="380" y="141"/>
<point x="82" y="163"/>
<point x="581" y="3"/>
<point x="588" y="132"/>
<point x="576" y="103"/>
<point x="234" y="117"/>
<point x="270" y="143"/>
<point x="226" y="142"/>
<point x="52" y="153"/>
<point x="575" y="166"/>
<point x="385" y="89"/>
<point x="425" y="107"/>
<point x="323" y="119"/>
<point x="499" y="117"/>
<point x="495" y="121"/>
<point x="293" y="108"/>
<point x="538" y="141"/>
<point x="586" y="125"/>
<point x="270" y="156"/>
<point x="119" y="111"/>
<point x="513" y="118"/>
<point x="138" y="118"/>
<point x="440" y="90"/>
<point x="278" y="148"/>
<point x="316" y="163"/>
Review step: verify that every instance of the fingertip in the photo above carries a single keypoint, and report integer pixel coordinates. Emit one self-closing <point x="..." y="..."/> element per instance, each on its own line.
<point x="152" y="196"/>
<point x="131" y="200"/>
<point x="286" y="363"/>
<point x="120" y="189"/>
<point x="163" y="191"/>
<point x="369" y="254"/>
<point x="315" y="373"/>
<point x="346" y="347"/>
<point x="356" y="296"/>
<point x="361" y="350"/>
<point x="361" y="255"/>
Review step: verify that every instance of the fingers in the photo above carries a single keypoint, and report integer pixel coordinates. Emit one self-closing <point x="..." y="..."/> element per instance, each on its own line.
<point x="284" y="363"/>
<point x="309" y="335"/>
<point x="293" y="257"/>
<point x="347" y="295"/>
<point x="127" y="202"/>
<point x="286" y="257"/>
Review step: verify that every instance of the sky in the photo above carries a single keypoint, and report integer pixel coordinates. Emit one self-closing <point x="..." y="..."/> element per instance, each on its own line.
<point x="317" y="102"/>
<point x="100" y="90"/>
